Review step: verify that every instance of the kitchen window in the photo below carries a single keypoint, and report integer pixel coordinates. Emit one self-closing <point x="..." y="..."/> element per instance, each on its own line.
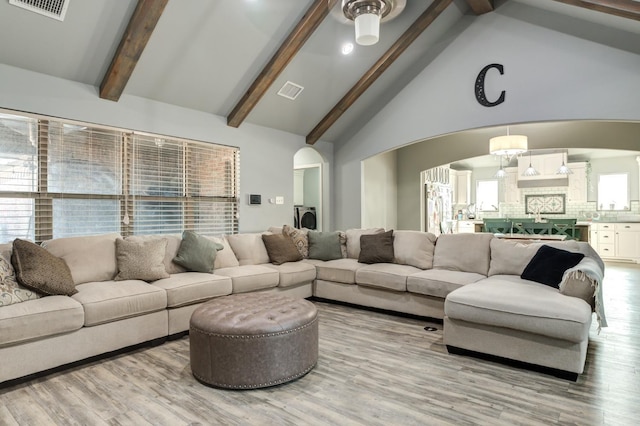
<point x="487" y="195"/>
<point x="613" y="191"/>
<point x="63" y="179"/>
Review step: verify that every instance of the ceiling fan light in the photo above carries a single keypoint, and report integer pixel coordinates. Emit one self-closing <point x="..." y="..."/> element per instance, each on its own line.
<point x="367" y="28"/>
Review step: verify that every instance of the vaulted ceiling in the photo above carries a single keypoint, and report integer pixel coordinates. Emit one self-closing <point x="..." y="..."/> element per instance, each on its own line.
<point x="230" y="58"/>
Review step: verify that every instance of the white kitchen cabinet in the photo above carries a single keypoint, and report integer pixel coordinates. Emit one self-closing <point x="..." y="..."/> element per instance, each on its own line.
<point x="545" y="164"/>
<point x="511" y="190"/>
<point x="461" y="186"/>
<point x="465" y="227"/>
<point x="577" y="192"/>
<point x="616" y="241"/>
<point x="627" y="241"/>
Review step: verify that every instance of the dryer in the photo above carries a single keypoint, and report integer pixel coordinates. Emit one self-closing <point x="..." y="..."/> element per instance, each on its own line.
<point x="305" y="217"/>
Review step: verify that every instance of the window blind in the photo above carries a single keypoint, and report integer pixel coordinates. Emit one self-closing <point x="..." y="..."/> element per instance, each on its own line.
<point x="61" y="179"/>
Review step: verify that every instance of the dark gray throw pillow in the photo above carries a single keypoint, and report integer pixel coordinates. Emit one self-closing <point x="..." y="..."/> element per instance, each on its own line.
<point x="376" y="248"/>
<point x="281" y="248"/>
<point x="324" y="245"/>
<point x="548" y="265"/>
<point x="197" y="253"/>
<point x="41" y="271"/>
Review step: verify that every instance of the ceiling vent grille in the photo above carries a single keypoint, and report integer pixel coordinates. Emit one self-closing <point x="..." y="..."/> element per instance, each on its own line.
<point x="290" y="90"/>
<point x="55" y="9"/>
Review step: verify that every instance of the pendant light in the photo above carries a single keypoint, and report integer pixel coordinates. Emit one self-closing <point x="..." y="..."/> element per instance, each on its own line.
<point x="564" y="170"/>
<point x="530" y="170"/>
<point x="500" y="174"/>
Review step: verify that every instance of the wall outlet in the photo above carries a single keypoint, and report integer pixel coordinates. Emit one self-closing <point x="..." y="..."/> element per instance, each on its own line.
<point x="279" y="200"/>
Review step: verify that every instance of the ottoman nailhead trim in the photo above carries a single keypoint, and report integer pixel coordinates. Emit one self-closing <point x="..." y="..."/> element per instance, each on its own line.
<point x="256" y="385"/>
<point x="254" y="336"/>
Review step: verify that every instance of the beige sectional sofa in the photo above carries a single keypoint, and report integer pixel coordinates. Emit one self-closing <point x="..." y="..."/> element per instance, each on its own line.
<point x="471" y="281"/>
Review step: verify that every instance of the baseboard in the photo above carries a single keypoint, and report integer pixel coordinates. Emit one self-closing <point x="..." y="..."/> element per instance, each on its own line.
<point x="562" y="374"/>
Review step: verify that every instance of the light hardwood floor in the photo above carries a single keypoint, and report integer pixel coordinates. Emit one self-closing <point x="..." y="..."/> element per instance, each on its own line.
<point x="373" y="369"/>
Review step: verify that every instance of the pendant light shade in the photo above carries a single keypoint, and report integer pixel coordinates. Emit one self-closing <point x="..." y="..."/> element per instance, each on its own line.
<point x="564" y="170"/>
<point x="508" y="145"/>
<point x="500" y="174"/>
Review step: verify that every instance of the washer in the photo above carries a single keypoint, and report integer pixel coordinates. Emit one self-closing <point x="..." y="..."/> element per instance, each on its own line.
<point x="306" y="217"/>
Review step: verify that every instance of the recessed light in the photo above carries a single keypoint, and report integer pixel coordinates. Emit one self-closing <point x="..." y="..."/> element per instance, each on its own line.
<point x="347" y="48"/>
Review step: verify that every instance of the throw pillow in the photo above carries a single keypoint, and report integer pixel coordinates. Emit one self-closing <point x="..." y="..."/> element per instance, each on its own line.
<point x="548" y="265"/>
<point x="197" y="253"/>
<point x="41" y="271"/>
<point x="225" y="258"/>
<point x="281" y="248"/>
<point x="376" y="248"/>
<point x="300" y="239"/>
<point x="324" y="245"/>
<point x="10" y="291"/>
<point x="353" y="240"/>
<point x="141" y="260"/>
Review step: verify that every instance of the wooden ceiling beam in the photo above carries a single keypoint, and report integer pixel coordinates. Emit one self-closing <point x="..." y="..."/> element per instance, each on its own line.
<point x="624" y="8"/>
<point x="480" y="7"/>
<point x="385" y="61"/>
<point x="286" y="52"/>
<point x="134" y="40"/>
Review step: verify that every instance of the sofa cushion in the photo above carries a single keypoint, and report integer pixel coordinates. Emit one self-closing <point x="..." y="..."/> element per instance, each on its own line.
<point x="10" y="290"/>
<point x="376" y="248"/>
<point x="108" y="301"/>
<point x="39" y="318"/>
<point x="225" y="258"/>
<point x="548" y="265"/>
<point x="338" y="270"/>
<point x="324" y="245"/>
<point x="385" y="275"/>
<point x="294" y="273"/>
<point x="173" y="245"/>
<point x="250" y="277"/>
<point x="249" y="249"/>
<point x="440" y="282"/>
<point x="197" y="253"/>
<point x="463" y="252"/>
<point x="414" y="248"/>
<point x="141" y="259"/>
<point x="280" y="248"/>
<point x="521" y="305"/>
<point x="41" y="271"/>
<point x="188" y="288"/>
<point x="90" y="258"/>
<point x="353" y="240"/>
<point x="300" y="239"/>
<point x="509" y="257"/>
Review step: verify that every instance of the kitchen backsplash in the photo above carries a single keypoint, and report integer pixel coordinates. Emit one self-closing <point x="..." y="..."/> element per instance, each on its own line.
<point x="581" y="211"/>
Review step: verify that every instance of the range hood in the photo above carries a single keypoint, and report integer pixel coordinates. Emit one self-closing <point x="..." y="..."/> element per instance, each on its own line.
<point x="546" y="165"/>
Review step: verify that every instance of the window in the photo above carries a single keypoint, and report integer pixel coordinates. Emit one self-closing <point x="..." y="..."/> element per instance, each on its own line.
<point x="487" y="195"/>
<point x="613" y="191"/>
<point x="60" y="179"/>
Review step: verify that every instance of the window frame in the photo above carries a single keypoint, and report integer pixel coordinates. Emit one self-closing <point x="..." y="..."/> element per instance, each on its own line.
<point x="43" y="199"/>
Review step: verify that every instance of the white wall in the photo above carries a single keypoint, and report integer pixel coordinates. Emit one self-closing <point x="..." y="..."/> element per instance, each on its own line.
<point x="548" y="76"/>
<point x="266" y="155"/>
<point x="379" y="195"/>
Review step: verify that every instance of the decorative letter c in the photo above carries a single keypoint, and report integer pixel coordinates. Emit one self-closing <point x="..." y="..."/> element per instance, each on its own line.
<point x="480" y="93"/>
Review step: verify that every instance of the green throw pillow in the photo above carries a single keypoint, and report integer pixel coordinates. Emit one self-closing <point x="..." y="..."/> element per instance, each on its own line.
<point x="324" y="245"/>
<point x="197" y="253"/>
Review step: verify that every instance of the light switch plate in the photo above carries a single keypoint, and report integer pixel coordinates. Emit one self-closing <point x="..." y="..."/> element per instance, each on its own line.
<point x="279" y="200"/>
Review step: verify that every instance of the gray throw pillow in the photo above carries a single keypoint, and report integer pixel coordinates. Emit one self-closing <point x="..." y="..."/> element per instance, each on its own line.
<point x="40" y="271"/>
<point x="281" y="248"/>
<point x="197" y="253"/>
<point x="376" y="248"/>
<point x="141" y="260"/>
<point x="324" y="245"/>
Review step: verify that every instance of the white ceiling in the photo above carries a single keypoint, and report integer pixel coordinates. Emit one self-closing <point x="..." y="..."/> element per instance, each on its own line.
<point x="204" y="54"/>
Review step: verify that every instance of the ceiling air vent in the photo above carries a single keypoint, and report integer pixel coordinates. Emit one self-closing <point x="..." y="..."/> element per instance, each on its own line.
<point x="290" y="90"/>
<point x="55" y="9"/>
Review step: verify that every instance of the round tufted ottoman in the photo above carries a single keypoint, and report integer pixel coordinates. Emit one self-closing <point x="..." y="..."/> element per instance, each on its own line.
<point x="253" y="340"/>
